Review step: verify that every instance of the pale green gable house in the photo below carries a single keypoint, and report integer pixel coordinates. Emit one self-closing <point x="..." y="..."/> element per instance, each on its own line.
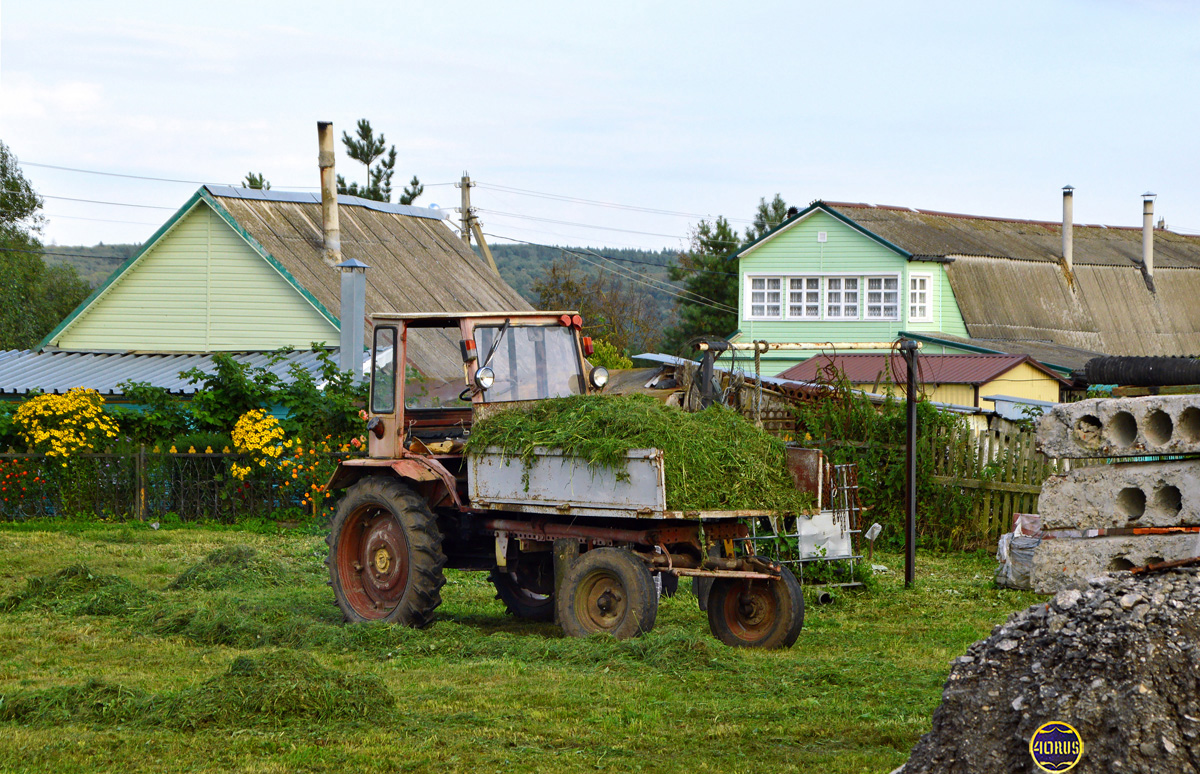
<point x="243" y="270"/>
<point x="842" y="272"/>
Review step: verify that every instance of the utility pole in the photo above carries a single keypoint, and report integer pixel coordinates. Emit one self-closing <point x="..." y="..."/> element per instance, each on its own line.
<point x="465" y="213"/>
<point x="470" y="223"/>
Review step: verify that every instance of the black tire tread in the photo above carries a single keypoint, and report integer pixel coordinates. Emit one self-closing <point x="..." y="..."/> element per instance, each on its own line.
<point x="426" y="558"/>
<point x="639" y="586"/>
<point x="789" y="624"/>
<point x="506" y="592"/>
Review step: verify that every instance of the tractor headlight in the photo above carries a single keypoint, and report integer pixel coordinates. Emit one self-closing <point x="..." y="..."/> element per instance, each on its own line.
<point x="599" y="377"/>
<point x="485" y="377"/>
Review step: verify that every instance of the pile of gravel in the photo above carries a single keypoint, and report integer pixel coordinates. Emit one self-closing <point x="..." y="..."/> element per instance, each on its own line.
<point x="1120" y="662"/>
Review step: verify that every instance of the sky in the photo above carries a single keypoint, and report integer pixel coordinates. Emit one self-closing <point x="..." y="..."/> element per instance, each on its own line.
<point x="655" y="114"/>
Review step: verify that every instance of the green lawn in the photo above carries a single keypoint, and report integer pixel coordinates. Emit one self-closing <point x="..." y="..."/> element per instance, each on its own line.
<point x="476" y="691"/>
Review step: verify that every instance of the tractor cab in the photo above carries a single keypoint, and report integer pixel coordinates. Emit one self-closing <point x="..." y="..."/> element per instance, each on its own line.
<point x="506" y="357"/>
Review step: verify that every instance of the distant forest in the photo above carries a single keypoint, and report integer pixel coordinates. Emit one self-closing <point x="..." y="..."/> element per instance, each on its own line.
<point x="93" y="264"/>
<point x="522" y="266"/>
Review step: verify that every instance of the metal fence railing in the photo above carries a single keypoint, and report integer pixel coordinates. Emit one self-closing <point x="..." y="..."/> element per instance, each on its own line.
<point x="147" y="485"/>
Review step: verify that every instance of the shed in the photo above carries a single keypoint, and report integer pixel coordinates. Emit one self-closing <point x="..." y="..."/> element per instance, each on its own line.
<point x="956" y="379"/>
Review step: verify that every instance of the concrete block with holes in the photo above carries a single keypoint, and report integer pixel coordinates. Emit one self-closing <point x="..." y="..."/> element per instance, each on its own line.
<point x="1122" y="427"/>
<point x="1132" y="494"/>
<point x="1070" y="564"/>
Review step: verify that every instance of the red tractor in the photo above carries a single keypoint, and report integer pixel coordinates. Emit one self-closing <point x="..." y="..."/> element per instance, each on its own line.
<point x="563" y="540"/>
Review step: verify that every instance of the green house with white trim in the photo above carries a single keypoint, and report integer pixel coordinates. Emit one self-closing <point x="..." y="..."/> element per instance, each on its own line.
<point x="243" y="270"/>
<point x="846" y="272"/>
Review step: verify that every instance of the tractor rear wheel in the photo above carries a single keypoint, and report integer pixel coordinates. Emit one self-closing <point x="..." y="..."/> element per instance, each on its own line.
<point x="385" y="554"/>
<point x="756" y="613"/>
<point x="521" y="601"/>
<point x="608" y="591"/>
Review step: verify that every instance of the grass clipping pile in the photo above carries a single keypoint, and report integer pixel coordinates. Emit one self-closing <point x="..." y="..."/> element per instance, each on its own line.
<point x="275" y="688"/>
<point x="714" y="459"/>
<point x="1119" y="662"/>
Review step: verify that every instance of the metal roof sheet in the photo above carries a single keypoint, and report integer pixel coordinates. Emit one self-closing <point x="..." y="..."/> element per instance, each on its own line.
<point x="299" y="197"/>
<point x="23" y="371"/>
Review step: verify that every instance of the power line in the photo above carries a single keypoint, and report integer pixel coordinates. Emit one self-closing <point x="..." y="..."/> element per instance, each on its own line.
<point x="56" y="254"/>
<point x="625" y="273"/>
<point x="174" y="179"/>
<point x="615" y="205"/>
<point x="121" y="174"/>
<point x="114" y="204"/>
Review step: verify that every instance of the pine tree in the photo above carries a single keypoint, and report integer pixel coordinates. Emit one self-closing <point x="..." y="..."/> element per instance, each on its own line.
<point x="256" y="180"/>
<point x="710" y="272"/>
<point x="367" y="149"/>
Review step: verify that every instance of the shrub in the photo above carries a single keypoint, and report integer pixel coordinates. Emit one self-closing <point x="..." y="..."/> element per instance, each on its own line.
<point x="62" y="425"/>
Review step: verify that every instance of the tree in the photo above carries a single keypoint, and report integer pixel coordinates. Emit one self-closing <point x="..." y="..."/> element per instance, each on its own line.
<point x="256" y="180"/>
<point x="34" y="297"/>
<point x="613" y="309"/>
<point x="369" y="149"/>
<point x="709" y="274"/>
<point x="767" y="217"/>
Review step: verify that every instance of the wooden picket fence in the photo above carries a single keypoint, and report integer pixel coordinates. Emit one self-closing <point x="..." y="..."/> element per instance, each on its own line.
<point x="1004" y="469"/>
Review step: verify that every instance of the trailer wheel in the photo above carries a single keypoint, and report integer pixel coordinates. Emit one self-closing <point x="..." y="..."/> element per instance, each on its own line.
<point x="610" y="591"/>
<point x="385" y="554"/>
<point x="756" y="613"/>
<point x="521" y="602"/>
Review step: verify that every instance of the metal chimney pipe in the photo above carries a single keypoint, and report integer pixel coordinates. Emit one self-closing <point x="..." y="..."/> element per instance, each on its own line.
<point x="329" y="210"/>
<point x="352" y="315"/>
<point x="1068" y="225"/>
<point x="1148" y="233"/>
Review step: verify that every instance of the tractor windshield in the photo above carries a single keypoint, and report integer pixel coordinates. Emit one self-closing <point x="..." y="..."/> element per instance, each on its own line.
<point x="530" y="362"/>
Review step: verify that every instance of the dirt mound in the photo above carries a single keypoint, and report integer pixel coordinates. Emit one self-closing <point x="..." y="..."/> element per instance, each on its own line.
<point x="231" y="566"/>
<point x="275" y="688"/>
<point x="76" y="590"/>
<point x="1119" y="662"/>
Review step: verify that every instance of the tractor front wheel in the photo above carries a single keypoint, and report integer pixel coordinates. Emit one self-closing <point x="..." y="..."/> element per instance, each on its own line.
<point x="609" y="591"/>
<point x="385" y="554"/>
<point x="756" y="613"/>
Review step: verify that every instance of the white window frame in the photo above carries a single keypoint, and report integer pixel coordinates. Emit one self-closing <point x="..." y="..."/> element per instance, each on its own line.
<point x="806" y="293"/>
<point x="882" y="303"/>
<point x="765" y="302"/>
<point x="785" y="291"/>
<point x="914" y="304"/>
<point x="835" y="298"/>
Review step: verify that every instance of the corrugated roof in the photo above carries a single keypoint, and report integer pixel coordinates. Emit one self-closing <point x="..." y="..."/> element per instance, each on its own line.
<point x="22" y="371"/>
<point x="942" y="234"/>
<point x="934" y="369"/>
<point x="417" y="264"/>
<point x="1057" y="356"/>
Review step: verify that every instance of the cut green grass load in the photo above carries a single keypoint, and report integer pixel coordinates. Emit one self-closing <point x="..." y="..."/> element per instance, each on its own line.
<point x="714" y="459"/>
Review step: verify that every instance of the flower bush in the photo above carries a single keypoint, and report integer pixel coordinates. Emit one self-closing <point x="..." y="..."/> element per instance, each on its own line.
<point x="63" y="425"/>
<point x="302" y="466"/>
<point x="258" y="434"/>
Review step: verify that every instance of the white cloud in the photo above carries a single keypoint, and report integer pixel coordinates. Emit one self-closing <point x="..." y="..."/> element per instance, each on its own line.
<point x="26" y="97"/>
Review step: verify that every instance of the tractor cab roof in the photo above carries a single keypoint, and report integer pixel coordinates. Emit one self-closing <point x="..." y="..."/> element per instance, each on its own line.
<point x="450" y="319"/>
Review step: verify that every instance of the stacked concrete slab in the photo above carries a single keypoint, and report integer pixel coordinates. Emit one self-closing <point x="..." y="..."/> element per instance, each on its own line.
<point x="1082" y="509"/>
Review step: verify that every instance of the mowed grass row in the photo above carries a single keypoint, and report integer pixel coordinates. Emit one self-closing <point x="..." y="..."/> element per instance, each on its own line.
<point x="206" y="649"/>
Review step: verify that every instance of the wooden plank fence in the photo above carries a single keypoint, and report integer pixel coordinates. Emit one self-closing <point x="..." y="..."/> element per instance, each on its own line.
<point x="1004" y="469"/>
